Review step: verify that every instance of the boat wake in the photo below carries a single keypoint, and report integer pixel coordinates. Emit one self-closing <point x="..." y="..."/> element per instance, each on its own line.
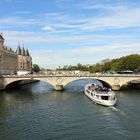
<point x="117" y="110"/>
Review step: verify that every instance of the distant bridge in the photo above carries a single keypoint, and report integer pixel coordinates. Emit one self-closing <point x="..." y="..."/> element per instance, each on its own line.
<point x="59" y="81"/>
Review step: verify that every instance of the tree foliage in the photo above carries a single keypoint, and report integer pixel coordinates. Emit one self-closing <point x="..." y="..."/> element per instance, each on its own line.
<point x="35" y="68"/>
<point x="130" y="62"/>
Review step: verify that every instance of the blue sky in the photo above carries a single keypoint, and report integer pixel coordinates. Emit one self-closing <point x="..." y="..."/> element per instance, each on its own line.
<point x="67" y="32"/>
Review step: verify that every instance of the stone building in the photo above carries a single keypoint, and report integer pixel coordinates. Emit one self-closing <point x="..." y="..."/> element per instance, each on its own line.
<point x="12" y="62"/>
<point x="24" y="64"/>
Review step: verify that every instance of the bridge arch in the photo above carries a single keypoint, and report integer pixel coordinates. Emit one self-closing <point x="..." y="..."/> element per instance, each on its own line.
<point x="13" y="84"/>
<point x="20" y="82"/>
<point x="131" y="82"/>
<point x="45" y="81"/>
<point x="16" y="83"/>
<point x="105" y="84"/>
<point x="90" y="80"/>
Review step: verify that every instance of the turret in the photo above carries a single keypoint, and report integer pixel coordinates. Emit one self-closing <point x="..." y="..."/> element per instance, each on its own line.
<point x="1" y="41"/>
<point x="23" y="51"/>
<point x="27" y="52"/>
<point x="18" y="51"/>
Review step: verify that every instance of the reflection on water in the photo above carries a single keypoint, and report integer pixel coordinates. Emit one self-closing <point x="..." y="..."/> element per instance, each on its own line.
<point x="37" y="112"/>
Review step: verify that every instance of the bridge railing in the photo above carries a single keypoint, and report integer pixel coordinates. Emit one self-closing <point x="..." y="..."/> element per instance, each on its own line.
<point x="70" y="75"/>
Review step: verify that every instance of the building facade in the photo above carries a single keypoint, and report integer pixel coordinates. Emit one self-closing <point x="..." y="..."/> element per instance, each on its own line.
<point x="13" y="62"/>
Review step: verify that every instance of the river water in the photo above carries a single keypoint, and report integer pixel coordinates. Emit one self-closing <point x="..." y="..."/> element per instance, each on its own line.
<point x="36" y="112"/>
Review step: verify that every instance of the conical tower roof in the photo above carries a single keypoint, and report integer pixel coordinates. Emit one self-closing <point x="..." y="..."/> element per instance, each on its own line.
<point x="18" y="51"/>
<point x="23" y="51"/>
<point x="27" y="52"/>
<point x="1" y="36"/>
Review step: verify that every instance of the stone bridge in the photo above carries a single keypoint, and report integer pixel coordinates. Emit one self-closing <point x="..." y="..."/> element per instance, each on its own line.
<point x="58" y="81"/>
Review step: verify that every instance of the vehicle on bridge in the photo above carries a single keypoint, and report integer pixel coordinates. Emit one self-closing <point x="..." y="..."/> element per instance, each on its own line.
<point x="100" y="95"/>
<point x="125" y="72"/>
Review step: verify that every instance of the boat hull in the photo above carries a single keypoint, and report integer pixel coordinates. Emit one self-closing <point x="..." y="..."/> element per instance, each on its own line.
<point x="101" y="102"/>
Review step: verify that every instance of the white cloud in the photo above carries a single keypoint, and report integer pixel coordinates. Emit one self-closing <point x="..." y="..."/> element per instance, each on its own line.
<point x="121" y="19"/>
<point x="48" y="28"/>
<point x="102" y="6"/>
<point x="17" y="22"/>
<point x="117" y="16"/>
<point x="59" y="22"/>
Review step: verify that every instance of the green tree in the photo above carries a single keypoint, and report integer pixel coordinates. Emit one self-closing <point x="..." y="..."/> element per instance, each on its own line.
<point x="106" y="66"/>
<point x="131" y="62"/>
<point x="114" y="65"/>
<point x="35" y="68"/>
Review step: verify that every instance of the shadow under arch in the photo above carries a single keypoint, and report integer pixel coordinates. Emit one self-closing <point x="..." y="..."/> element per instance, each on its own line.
<point x="105" y="84"/>
<point x="19" y="83"/>
<point x="134" y="84"/>
<point x="79" y="84"/>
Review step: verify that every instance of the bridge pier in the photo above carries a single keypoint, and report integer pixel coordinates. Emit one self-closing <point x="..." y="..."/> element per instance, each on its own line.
<point x="1" y="88"/>
<point x="1" y="83"/>
<point x="116" y="87"/>
<point x="59" y="87"/>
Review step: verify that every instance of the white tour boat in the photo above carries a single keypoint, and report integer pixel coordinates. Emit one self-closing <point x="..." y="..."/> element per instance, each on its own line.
<point x="100" y="95"/>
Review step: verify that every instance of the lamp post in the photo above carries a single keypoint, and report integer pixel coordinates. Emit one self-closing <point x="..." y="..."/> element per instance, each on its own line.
<point x="88" y="70"/>
<point x="59" y="69"/>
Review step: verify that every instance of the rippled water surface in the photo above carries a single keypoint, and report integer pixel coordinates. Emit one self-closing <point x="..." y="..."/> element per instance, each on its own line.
<point x="36" y="112"/>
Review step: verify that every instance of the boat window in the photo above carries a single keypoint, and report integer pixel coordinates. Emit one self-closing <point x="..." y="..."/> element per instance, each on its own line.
<point x="105" y="89"/>
<point x="87" y="91"/>
<point x="97" y="96"/>
<point x="104" y="97"/>
<point x="91" y="94"/>
<point x="114" y="97"/>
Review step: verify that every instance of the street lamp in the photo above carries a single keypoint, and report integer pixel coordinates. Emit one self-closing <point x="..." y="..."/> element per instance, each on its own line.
<point x="88" y="70"/>
<point x="59" y="69"/>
